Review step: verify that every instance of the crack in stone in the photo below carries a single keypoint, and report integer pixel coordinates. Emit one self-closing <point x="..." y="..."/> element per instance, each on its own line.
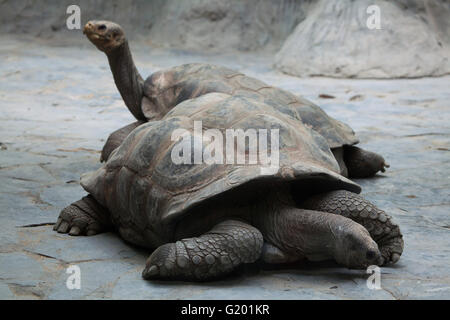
<point x="25" y="290"/>
<point x="33" y="225"/>
<point x="23" y="179"/>
<point x="23" y="165"/>
<point x="44" y="255"/>
<point x="68" y="262"/>
<point x="35" y="198"/>
<point x="47" y="154"/>
<point x="79" y="149"/>
<point x="391" y="293"/>
<point x="425" y="134"/>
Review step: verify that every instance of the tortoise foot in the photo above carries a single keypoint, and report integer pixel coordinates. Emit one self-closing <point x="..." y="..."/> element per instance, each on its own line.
<point x="83" y="217"/>
<point x="212" y="255"/>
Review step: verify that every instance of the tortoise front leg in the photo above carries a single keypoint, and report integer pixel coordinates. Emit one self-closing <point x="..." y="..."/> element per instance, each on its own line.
<point x="83" y="217"/>
<point x="379" y="224"/>
<point x="215" y="253"/>
<point x="116" y="138"/>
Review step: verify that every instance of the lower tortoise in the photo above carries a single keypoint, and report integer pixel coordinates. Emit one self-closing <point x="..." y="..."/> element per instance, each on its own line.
<point x="204" y="220"/>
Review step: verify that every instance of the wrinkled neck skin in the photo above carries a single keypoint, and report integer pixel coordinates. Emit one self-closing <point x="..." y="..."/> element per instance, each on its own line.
<point x="296" y="233"/>
<point x="127" y="79"/>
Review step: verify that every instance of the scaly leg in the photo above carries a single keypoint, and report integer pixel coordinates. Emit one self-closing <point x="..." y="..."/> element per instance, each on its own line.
<point x="379" y="224"/>
<point x="83" y="217"/>
<point x="213" y="254"/>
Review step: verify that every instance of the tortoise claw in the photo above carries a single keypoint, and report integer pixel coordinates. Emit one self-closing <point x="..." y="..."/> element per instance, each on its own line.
<point x="63" y="227"/>
<point x="150" y="272"/>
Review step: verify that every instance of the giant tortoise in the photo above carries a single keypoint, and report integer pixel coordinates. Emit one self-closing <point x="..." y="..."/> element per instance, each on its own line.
<point x="153" y="98"/>
<point x="204" y="219"/>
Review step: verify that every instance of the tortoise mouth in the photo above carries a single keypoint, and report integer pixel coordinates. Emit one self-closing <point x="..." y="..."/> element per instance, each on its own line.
<point x="94" y="32"/>
<point x="90" y="33"/>
<point x="96" y="36"/>
<point x="87" y="29"/>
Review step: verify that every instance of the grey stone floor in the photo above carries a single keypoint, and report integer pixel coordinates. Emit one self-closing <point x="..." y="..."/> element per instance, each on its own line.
<point x="58" y="105"/>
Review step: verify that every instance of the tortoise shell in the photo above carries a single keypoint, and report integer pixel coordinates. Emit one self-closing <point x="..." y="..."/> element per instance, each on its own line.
<point x="167" y="88"/>
<point x="147" y="193"/>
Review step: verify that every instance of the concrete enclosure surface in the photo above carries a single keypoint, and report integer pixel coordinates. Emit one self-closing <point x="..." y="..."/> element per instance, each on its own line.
<point x="58" y="104"/>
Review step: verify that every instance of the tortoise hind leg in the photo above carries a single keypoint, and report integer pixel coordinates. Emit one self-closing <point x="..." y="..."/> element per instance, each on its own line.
<point x="213" y="254"/>
<point x="361" y="163"/>
<point x="380" y="225"/>
<point x="83" y="217"/>
<point x="116" y="138"/>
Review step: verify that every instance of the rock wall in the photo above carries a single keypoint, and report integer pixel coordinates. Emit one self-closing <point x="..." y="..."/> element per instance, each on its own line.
<point x="189" y="24"/>
<point x="334" y="40"/>
<point x="228" y="24"/>
<point x="316" y="37"/>
<point x="47" y="19"/>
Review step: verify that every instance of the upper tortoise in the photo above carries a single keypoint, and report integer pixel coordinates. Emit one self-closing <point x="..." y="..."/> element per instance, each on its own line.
<point x="153" y="98"/>
<point x="204" y="220"/>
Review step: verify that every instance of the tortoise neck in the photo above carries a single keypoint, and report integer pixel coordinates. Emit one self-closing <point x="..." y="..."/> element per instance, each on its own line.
<point x="127" y="79"/>
<point x="297" y="232"/>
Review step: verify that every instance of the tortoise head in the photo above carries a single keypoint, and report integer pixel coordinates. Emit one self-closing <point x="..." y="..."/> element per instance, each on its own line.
<point x="356" y="249"/>
<point x="105" y="35"/>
